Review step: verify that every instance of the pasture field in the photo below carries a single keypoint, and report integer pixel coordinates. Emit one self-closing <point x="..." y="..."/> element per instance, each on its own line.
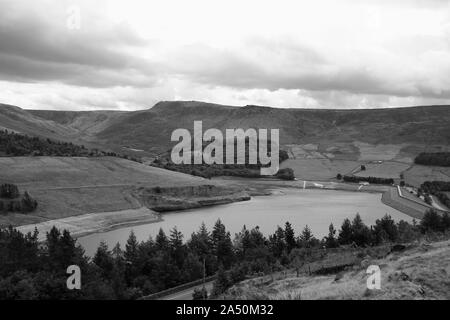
<point x="325" y="150"/>
<point x="61" y="203"/>
<point x="319" y="169"/>
<point x="418" y="174"/>
<point x="57" y="172"/>
<point x="67" y="187"/>
<point x="369" y="152"/>
<point x="383" y="170"/>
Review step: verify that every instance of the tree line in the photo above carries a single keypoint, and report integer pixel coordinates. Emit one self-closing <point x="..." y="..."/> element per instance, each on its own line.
<point x="18" y="145"/>
<point x="30" y="270"/>
<point x="373" y="180"/>
<point x="433" y="159"/>
<point x="238" y="170"/>
<point x="12" y="201"/>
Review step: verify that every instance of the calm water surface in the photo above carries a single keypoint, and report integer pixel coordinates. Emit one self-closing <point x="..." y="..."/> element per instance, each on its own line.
<point x="315" y="208"/>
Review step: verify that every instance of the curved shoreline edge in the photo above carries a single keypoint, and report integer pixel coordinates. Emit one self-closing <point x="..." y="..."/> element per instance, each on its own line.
<point x="91" y="223"/>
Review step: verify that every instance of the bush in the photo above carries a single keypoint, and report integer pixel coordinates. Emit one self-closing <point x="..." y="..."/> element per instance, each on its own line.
<point x="431" y="221"/>
<point x="200" y="294"/>
<point x="28" y="203"/>
<point x="9" y="191"/>
<point x="13" y="203"/>
<point x="373" y="180"/>
<point x="285" y="174"/>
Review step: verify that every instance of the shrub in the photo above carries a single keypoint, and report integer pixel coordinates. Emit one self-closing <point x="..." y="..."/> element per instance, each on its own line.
<point x="431" y="221"/>
<point x="28" y="203"/>
<point x="200" y="294"/>
<point x="374" y="180"/>
<point x="9" y="191"/>
<point x="285" y="174"/>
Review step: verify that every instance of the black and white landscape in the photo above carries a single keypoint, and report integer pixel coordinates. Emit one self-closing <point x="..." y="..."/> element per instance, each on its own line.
<point x="93" y="204"/>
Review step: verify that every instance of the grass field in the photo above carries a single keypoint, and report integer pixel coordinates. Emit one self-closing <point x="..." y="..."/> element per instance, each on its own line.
<point x="383" y="170"/>
<point x="369" y="152"/>
<point x="57" y="172"/>
<point x="67" y="187"/>
<point x="319" y="169"/>
<point x="418" y="174"/>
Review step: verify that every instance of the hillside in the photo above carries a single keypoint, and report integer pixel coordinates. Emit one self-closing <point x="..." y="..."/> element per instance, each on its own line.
<point x="65" y="186"/>
<point x="53" y="124"/>
<point x="408" y="127"/>
<point x="420" y="272"/>
<point x="16" y="119"/>
<point x="413" y="130"/>
<point x="320" y="143"/>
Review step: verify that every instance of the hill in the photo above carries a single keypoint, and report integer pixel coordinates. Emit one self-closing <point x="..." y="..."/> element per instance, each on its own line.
<point x="16" y="119"/>
<point x="320" y="143"/>
<point x="65" y="186"/>
<point x="418" y="126"/>
<point x="420" y="272"/>
<point x="413" y="129"/>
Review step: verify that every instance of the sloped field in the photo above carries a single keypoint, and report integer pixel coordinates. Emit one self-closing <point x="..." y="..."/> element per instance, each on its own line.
<point x="67" y="187"/>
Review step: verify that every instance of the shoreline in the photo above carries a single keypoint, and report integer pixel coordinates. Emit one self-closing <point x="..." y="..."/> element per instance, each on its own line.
<point x="92" y="223"/>
<point x="83" y="225"/>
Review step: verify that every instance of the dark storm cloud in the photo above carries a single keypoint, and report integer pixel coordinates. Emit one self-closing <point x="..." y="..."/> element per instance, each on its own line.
<point x="33" y="49"/>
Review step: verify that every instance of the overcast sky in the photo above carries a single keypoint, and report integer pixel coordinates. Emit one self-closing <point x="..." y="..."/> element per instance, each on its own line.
<point x="129" y="54"/>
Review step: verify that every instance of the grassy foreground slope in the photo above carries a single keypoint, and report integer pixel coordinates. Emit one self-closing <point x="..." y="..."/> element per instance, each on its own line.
<point x="420" y="272"/>
<point x="67" y="186"/>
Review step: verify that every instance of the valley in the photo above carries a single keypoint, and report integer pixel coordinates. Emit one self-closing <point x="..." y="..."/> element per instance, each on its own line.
<point x="103" y="184"/>
<point x="320" y="143"/>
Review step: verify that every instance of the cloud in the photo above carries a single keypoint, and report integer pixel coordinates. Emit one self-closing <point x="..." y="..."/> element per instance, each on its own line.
<point x="290" y="54"/>
<point x="37" y="46"/>
<point x="275" y="65"/>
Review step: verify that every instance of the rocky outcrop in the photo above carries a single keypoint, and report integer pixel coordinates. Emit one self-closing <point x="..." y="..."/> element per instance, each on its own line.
<point x="189" y="197"/>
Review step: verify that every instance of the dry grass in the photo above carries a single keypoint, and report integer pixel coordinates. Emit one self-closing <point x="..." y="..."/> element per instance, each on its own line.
<point x="75" y="186"/>
<point x="418" y="174"/>
<point x="421" y="272"/>
<point x="383" y="170"/>
<point x="369" y="152"/>
<point x="319" y="169"/>
<point x="58" y="172"/>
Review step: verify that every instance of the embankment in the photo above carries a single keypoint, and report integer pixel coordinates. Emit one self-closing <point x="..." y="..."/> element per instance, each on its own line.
<point x="396" y="200"/>
<point x="153" y="201"/>
<point x="182" y="198"/>
<point x="83" y="225"/>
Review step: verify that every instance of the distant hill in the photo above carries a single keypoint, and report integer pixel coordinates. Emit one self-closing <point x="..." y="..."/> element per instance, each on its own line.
<point x="21" y="121"/>
<point x="418" y="125"/>
<point x="417" y="128"/>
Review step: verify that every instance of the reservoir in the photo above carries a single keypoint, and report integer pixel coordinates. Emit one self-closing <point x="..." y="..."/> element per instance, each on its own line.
<point x="315" y="208"/>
